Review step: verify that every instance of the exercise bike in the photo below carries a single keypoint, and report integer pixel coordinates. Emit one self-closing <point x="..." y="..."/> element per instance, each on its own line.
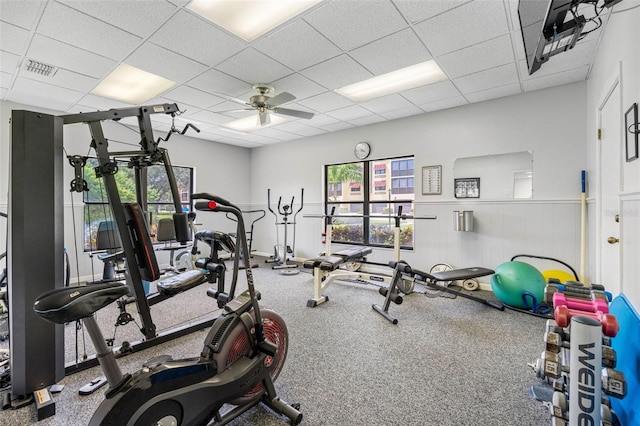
<point x="243" y="352"/>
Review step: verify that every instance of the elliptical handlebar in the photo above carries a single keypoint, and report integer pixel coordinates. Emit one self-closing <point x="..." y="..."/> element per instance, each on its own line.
<point x="216" y="203"/>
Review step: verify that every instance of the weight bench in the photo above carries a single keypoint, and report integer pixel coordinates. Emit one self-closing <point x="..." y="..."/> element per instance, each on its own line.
<point x="401" y="269"/>
<point x="326" y="269"/>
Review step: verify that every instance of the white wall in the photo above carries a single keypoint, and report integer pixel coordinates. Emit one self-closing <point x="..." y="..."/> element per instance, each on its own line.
<point x="220" y="169"/>
<point x="619" y="49"/>
<point x="551" y="123"/>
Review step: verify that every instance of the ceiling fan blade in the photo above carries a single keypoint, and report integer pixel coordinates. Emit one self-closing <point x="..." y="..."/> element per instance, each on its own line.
<point x="263" y="118"/>
<point x="280" y="99"/>
<point x="293" y="113"/>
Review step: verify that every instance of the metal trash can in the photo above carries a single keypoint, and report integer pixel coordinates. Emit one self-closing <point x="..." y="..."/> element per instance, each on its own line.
<point x="463" y="220"/>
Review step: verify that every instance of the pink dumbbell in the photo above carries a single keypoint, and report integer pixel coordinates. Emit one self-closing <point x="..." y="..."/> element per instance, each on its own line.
<point x="610" y="327"/>
<point x="593" y="305"/>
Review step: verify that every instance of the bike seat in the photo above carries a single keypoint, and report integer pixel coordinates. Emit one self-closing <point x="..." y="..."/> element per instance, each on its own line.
<point x="68" y="304"/>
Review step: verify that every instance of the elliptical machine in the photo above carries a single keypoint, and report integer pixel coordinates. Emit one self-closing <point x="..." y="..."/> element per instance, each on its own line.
<point x="281" y="253"/>
<point x="242" y="355"/>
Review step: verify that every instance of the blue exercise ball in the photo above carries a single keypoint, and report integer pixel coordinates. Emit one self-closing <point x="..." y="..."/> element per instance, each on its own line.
<point x="512" y="279"/>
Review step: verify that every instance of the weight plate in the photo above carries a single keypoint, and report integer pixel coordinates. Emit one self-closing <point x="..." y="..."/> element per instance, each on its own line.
<point x="405" y="286"/>
<point x="442" y="267"/>
<point x="352" y="266"/>
<point x="470" y="284"/>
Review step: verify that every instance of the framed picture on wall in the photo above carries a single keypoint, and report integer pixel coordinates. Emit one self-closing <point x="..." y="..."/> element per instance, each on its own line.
<point x="631" y="132"/>
<point x="467" y="188"/>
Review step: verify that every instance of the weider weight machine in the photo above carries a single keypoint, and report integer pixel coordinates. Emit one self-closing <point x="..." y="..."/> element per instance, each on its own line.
<point x="281" y="253"/>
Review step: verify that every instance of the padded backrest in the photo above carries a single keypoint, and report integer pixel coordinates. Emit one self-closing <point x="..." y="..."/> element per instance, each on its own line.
<point x="107" y="237"/>
<point x="166" y="230"/>
<point x="139" y="234"/>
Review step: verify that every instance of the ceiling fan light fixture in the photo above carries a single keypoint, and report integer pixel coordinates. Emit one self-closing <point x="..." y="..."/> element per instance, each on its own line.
<point x="252" y="18"/>
<point x="250" y="123"/>
<point x="132" y="85"/>
<point x="410" y="77"/>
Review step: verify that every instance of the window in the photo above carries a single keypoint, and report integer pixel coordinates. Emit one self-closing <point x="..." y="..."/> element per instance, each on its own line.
<point x="159" y="200"/>
<point x="375" y="196"/>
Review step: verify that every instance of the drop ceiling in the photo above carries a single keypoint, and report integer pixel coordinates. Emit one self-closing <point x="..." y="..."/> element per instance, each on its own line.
<point x="477" y="44"/>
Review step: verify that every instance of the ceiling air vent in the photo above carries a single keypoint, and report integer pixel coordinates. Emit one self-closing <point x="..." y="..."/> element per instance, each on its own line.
<point x="41" y="68"/>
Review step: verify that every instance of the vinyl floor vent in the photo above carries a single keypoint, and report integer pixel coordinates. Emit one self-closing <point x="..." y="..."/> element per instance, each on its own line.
<point x="40" y="68"/>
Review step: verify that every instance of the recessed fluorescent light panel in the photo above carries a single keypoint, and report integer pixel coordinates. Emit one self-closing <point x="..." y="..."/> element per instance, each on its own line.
<point x="393" y="82"/>
<point x="249" y="19"/>
<point x="252" y="122"/>
<point x="132" y="85"/>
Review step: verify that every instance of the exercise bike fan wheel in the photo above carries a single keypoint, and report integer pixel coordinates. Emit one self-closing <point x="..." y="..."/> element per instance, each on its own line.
<point x="275" y="330"/>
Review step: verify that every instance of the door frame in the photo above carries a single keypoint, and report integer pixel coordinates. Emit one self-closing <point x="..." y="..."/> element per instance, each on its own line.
<point x="615" y="81"/>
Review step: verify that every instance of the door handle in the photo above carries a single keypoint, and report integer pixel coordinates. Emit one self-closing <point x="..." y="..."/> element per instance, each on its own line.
<point x="613" y="240"/>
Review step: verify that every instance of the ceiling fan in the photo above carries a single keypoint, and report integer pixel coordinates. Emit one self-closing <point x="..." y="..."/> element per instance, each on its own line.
<point x="265" y="104"/>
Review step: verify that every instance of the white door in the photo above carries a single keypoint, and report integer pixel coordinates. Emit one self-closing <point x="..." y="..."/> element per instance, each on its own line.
<point x="610" y="186"/>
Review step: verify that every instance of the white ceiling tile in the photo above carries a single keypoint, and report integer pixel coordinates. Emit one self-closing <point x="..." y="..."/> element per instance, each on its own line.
<point x="72" y="27"/>
<point x="21" y="13"/>
<point x="299" y="128"/>
<point x="565" y="77"/>
<point x="494" y="77"/>
<point x="209" y="117"/>
<point x="13" y="39"/>
<point x="392" y="52"/>
<point x="337" y="126"/>
<point x="402" y="112"/>
<point x="214" y="81"/>
<point x="63" y="55"/>
<point x="350" y="24"/>
<point x="254" y="67"/>
<point x="349" y="113"/>
<point x="518" y="44"/>
<point x="325" y="102"/>
<point x="179" y="33"/>
<point x="139" y="17"/>
<point x="498" y="92"/>
<point x="273" y="132"/>
<point x="321" y="121"/>
<point x="365" y="121"/>
<point x="309" y="48"/>
<point x="419" y="10"/>
<point x="165" y="63"/>
<point x="93" y="102"/>
<point x="192" y="96"/>
<point x="431" y="93"/>
<point x="444" y="104"/>
<point x="63" y="78"/>
<point x="386" y="103"/>
<point x="337" y="72"/>
<point x="300" y="86"/>
<point x="3" y="93"/>
<point x="478" y="57"/>
<point x="5" y="79"/>
<point x="31" y="92"/>
<point x="474" y="22"/>
<point x="9" y="62"/>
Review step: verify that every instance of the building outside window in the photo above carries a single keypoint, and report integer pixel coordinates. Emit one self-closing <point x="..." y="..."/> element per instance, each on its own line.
<point x="159" y="200"/>
<point x="375" y="196"/>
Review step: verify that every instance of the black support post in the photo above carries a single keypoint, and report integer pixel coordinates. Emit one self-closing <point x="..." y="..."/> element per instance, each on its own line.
<point x="36" y="248"/>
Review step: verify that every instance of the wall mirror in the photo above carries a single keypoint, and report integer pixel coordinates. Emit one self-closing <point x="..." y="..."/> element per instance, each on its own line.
<point x="503" y="176"/>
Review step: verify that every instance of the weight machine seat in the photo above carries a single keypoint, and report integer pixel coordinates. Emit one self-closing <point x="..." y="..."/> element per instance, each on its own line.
<point x="62" y="305"/>
<point x="455" y="275"/>
<point x="331" y="263"/>
<point x="180" y="282"/>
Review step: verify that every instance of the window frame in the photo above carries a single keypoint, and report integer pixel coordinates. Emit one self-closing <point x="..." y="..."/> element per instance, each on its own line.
<point x="369" y="177"/>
